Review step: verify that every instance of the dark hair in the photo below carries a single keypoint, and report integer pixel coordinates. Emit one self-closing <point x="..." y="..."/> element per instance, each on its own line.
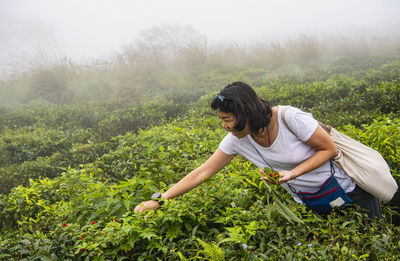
<point x="242" y="101"/>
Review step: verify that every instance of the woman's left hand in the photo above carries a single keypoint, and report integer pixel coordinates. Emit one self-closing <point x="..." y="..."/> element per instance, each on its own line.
<point x="286" y="175"/>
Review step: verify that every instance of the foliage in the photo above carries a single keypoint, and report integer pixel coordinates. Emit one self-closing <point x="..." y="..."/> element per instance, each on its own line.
<point x="44" y="141"/>
<point x="383" y="135"/>
<point x="341" y="99"/>
<point x="71" y="174"/>
<point x="232" y="215"/>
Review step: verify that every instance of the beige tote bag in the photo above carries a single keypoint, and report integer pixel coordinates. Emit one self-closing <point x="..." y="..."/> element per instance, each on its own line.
<point x="363" y="164"/>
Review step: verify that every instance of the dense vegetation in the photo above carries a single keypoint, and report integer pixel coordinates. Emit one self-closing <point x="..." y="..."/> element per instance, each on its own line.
<point x="71" y="172"/>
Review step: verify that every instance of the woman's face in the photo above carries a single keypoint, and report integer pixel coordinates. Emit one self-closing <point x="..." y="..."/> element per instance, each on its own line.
<point x="228" y="122"/>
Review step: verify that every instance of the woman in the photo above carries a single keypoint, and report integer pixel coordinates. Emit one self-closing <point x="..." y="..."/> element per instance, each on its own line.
<point x="297" y="147"/>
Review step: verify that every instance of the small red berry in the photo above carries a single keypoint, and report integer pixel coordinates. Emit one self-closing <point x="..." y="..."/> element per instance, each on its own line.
<point x="65" y="224"/>
<point x="93" y="222"/>
<point x="82" y="249"/>
<point x="116" y="220"/>
<point x="80" y="238"/>
<point x="270" y="174"/>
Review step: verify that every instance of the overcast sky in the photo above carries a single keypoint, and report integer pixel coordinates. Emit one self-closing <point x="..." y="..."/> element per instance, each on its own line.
<point x="83" y="29"/>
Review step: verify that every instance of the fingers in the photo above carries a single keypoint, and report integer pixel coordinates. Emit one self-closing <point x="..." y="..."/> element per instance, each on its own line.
<point x="147" y="205"/>
<point x="265" y="178"/>
<point x="142" y="207"/>
<point x="268" y="180"/>
<point x="283" y="180"/>
<point x="139" y="208"/>
<point x="286" y="176"/>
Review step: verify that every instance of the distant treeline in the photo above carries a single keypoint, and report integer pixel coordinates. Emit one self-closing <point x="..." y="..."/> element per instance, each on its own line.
<point x="178" y="64"/>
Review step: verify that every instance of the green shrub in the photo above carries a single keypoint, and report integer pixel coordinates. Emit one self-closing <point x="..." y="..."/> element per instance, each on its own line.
<point x="383" y="135"/>
<point x="17" y="146"/>
<point x="82" y="181"/>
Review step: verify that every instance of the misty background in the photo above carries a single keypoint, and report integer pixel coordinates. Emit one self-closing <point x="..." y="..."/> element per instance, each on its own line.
<point x="96" y="28"/>
<point x="96" y="50"/>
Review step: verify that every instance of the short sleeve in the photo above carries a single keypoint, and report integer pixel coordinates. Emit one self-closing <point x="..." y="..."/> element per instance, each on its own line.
<point x="229" y="144"/>
<point x="301" y="123"/>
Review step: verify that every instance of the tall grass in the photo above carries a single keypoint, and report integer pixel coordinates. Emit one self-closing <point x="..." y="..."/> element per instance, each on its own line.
<point x="168" y="61"/>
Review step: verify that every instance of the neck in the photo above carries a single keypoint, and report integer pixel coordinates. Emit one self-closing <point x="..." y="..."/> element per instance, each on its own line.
<point x="263" y="134"/>
<point x="266" y="135"/>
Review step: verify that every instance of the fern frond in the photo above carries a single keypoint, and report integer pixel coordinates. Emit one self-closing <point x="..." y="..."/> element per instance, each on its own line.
<point x="212" y="250"/>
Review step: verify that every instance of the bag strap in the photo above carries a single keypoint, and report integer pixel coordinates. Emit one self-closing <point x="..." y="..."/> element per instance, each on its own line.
<point x="327" y="128"/>
<point x="283" y="112"/>
<point x="260" y="155"/>
<point x="291" y="188"/>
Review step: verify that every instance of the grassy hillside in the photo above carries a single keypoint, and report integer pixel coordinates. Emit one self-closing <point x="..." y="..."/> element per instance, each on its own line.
<point x="72" y="170"/>
<point x="88" y="211"/>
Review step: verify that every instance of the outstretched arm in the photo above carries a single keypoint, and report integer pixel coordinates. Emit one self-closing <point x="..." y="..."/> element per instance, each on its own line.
<point x="216" y="162"/>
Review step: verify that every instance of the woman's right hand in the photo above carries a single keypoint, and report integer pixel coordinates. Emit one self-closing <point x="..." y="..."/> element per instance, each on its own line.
<point x="145" y="205"/>
<point x="215" y="163"/>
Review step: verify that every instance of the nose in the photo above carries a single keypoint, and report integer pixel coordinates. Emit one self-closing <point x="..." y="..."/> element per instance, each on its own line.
<point x="224" y="125"/>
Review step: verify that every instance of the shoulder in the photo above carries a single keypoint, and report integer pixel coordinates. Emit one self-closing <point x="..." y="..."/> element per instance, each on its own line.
<point x="229" y="144"/>
<point x="288" y="108"/>
<point x="301" y="123"/>
<point x="292" y="113"/>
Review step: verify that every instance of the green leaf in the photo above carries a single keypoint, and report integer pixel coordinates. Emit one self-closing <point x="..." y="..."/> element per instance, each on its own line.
<point x="148" y="234"/>
<point x="181" y="257"/>
<point x="127" y="204"/>
<point x="285" y="211"/>
<point x="251" y="182"/>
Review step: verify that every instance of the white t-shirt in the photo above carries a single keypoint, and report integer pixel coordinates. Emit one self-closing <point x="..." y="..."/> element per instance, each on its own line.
<point x="288" y="151"/>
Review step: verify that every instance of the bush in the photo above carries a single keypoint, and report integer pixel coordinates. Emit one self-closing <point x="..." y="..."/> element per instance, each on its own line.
<point x="17" y="146"/>
<point x="383" y="135"/>
<point x="85" y="211"/>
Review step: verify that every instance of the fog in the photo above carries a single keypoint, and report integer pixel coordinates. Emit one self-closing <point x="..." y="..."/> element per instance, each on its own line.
<point x="83" y="30"/>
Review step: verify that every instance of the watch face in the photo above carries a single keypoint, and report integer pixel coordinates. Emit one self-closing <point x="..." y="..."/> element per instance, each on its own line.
<point x="156" y="195"/>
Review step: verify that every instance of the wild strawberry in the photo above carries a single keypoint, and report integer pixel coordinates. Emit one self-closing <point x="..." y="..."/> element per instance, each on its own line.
<point x="80" y="238"/>
<point x="116" y="220"/>
<point x="65" y="224"/>
<point x="93" y="222"/>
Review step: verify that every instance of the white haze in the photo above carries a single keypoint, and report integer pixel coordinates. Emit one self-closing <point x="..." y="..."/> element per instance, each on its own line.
<point x="88" y="29"/>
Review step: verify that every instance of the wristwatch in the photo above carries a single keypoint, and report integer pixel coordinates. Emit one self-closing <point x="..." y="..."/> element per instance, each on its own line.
<point x="157" y="197"/>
